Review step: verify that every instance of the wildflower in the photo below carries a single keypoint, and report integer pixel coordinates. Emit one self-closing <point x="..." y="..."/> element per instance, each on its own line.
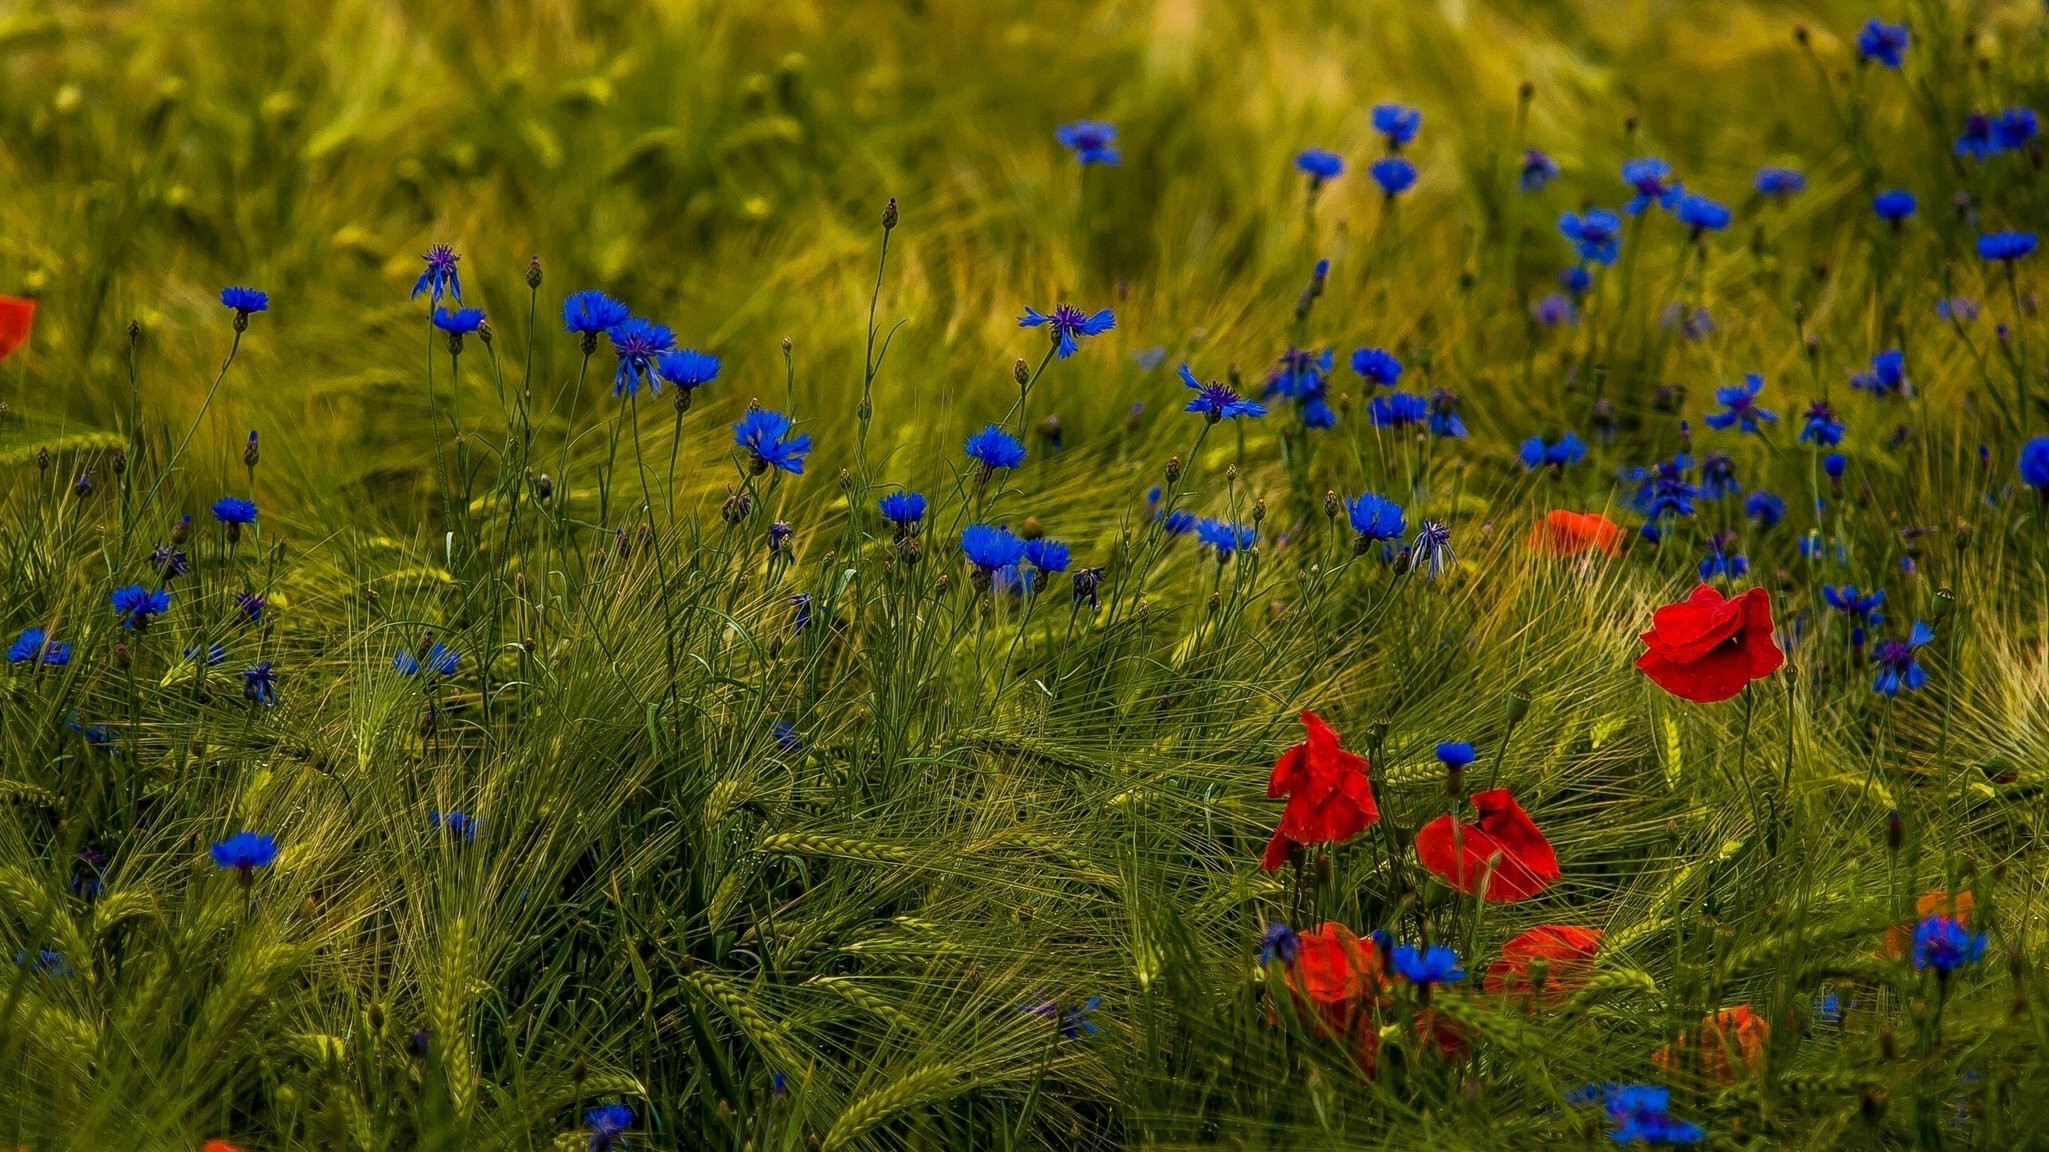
<point x="1718" y="476"/>
<point x="1739" y="404"/>
<point x="1641" y="1113"/>
<point x="1338" y="977"/>
<point x="1721" y="563"/>
<point x="1898" y="661"/>
<point x="259" y="683"/>
<point x="1091" y="141"/>
<point x="1566" y="952"/>
<point x="779" y="533"/>
<point x="1398" y="410"/>
<point x="1553" y="310"/>
<point x="1086" y="582"/>
<point x="459" y="321"/>
<point x="989" y="547"/>
<point x="1881" y="42"/>
<point x="1046" y="555"/>
<point x="1663" y="489"/>
<point x="454" y="823"/>
<point x="1377" y="366"/>
<point x="1887" y="377"/>
<point x="1434" y="964"/>
<point x="1329" y="797"/>
<point x="1444" y="418"/>
<point x="17" y="319"/>
<point x="1731" y="1031"/>
<point x="1065" y="323"/>
<point x="994" y="448"/>
<point x="1894" y="205"/>
<point x="1432" y="549"/>
<point x="1218" y="401"/>
<point x="785" y="735"/>
<point x="767" y="438"/>
<point x="135" y="604"/>
<point x="2034" y="465"/>
<point x="590" y="312"/>
<point x="1563" y="533"/>
<point x="1375" y="518"/>
<point x="2006" y="246"/>
<point x="1074" y="1022"/>
<point x="250" y="605"/>
<point x="1833" y="465"/>
<point x="1455" y="754"/>
<point x="1321" y="166"/>
<point x="1651" y="179"/>
<point x="1394" y="175"/>
<point x="1780" y="182"/>
<point x="1766" y="508"/>
<point x="440" y="661"/>
<point x="1499" y="855"/>
<point x="903" y="509"/>
<point x="212" y="655"/>
<point x="1861" y="608"/>
<point x="1707" y="648"/>
<point x="1957" y="309"/>
<point x="1398" y="123"/>
<point x="1701" y="214"/>
<point x="245" y="851"/>
<point x="687" y="368"/>
<point x="638" y="343"/>
<point x="244" y="301"/>
<point x="1536" y="453"/>
<point x="1179" y="523"/>
<point x="1597" y="234"/>
<point x="1278" y="942"/>
<point x="1899" y="938"/>
<point x="1301" y="374"/>
<point x="439" y="276"/>
<point x="1537" y="171"/>
<point x="1821" y="428"/>
<point x="608" y="1126"/>
<point x="2015" y="127"/>
<point x="234" y="511"/>
<point x="1976" y="141"/>
<point x="34" y="646"/>
<point x="1576" y="280"/>
<point x="1943" y="944"/>
<point x="1223" y="536"/>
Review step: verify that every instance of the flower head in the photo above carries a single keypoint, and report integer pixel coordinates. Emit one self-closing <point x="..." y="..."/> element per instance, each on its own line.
<point x="1394" y="174"/>
<point x="608" y="1125"/>
<point x="1321" y="165"/>
<point x="2034" y="465"/>
<point x="994" y="448"/>
<point x="1894" y="205"/>
<point x="638" y="343"/>
<point x="1431" y="550"/>
<point x="1537" y="171"/>
<point x="135" y="604"/>
<point x="1375" y="518"/>
<point x="1882" y="42"/>
<point x="1566" y="950"/>
<point x="1065" y="323"/>
<point x="1780" y="182"/>
<point x="34" y="646"/>
<point x="1377" y="366"/>
<point x="1898" y="660"/>
<point x="259" y="683"/>
<point x="1766" y="508"/>
<point x="439" y="277"/>
<point x="1651" y="179"/>
<point x="2006" y="246"/>
<point x="1700" y="213"/>
<point x="989" y="547"/>
<point x="903" y="509"/>
<point x="1224" y="537"/>
<point x="1707" y="648"/>
<point x="1398" y="123"/>
<point x="245" y="851"/>
<point x="440" y="661"/>
<point x="1596" y="234"/>
<point x="1046" y="555"/>
<point x="17" y="320"/>
<point x="1217" y="401"/>
<point x="1455" y="754"/>
<point x="687" y="368"/>
<point x="590" y="312"/>
<point x="1820" y="427"/>
<point x="1500" y="848"/>
<point x="1329" y="797"/>
<point x="1942" y="944"/>
<point x="459" y="825"/>
<point x="234" y="510"/>
<point x="243" y="301"/>
<point x="1434" y="964"/>
<point x="1739" y="406"/>
<point x="1536" y="453"/>
<point x="459" y="321"/>
<point x="767" y="437"/>
<point x="1091" y="141"/>
<point x="1567" y="533"/>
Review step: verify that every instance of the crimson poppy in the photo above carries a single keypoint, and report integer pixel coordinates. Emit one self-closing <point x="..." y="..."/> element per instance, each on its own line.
<point x="1736" y="1032"/>
<point x="1329" y="798"/>
<point x="16" y="315"/>
<point x="1563" y="533"/>
<point x="1705" y="648"/>
<point x="1567" y="951"/>
<point x="1501" y="848"/>
<point x="1339" y="976"/>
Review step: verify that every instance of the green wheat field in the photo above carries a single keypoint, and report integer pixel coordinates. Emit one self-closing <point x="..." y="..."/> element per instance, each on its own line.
<point x="444" y="714"/>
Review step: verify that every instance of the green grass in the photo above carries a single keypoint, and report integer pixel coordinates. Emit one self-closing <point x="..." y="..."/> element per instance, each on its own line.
<point x="988" y="801"/>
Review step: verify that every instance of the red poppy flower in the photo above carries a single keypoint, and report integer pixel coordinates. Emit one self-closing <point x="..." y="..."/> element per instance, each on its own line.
<point x="1502" y="845"/>
<point x="1329" y="798"/>
<point x="1705" y="648"/>
<point x="1563" y="533"/>
<point x="1900" y="937"/>
<point x="1340" y="976"/>
<point x="16" y="314"/>
<point x="1567" y="951"/>
<point x="1732" y="1032"/>
<point x="219" y="1146"/>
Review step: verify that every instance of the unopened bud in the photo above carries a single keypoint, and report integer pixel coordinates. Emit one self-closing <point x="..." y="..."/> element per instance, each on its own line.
<point x="533" y="272"/>
<point x="122" y="656"/>
<point x="1895" y="831"/>
<point x="1331" y="504"/>
<point x="249" y="453"/>
<point x="1173" y="469"/>
<point x="1021" y="372"/>
<point x="1031" y="529"/>
<point x="889" y="214"/>
<point x="1259" y="510"/>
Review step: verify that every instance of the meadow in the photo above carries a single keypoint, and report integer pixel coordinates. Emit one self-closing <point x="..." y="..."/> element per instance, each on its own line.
<point x="945" y="575"/>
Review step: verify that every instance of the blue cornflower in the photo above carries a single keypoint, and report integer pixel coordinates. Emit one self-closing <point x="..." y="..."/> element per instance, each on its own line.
<point x="259" y="683"/>
<point x="457" y="824"/>
<point x="1223" y="536"/>
<point x="1179" y="523"/>
<point x="1766" y="508"/>
<point x="1398" y="123"/>
<point x="1861" y="608"/>
<point x="1828" y="1009"/>
<point x="441" y="661"/>
<point x="786" y="738"/>
<point x="1537" y="171"/>
<point x="1578" y="280"/>
<point x="1321" y="165"/>
<point x="1898" y="661"/>
<point x="1957" y="308"/>
<point x="1554" y="309"/>
<point x="903" y="509"/>
<point x="2015" y="127"/>
<point x="2034" y="465"/>
<point x="1641" y="1113"/>
<point x="1217" y="401"/>
<point x="169" y="562"/>
<point x="1301" y="374"/>
<point x="1833" y="464"/>
<point x="800" y="611"/>
<point x="234" y="510"/>
<point x="1432" y="549"/>
<point x="1377" y="366"/>
<point x="1701" y="214"/>
<point x="1398" y="410"/>
<point x="1536" y="453"/>
<point x="989" y="546"/>
<point x="590" y="312"/>
<point x="1976" y="141"/>
<point x="1455" y="754"/>
<point x="1888" y="375"/>
<point x="213" y="655"/>
<point x="1434" y="964"/>
<point x="1881" y="42"/>
<point x="1780" y="182"/>
<point x="245" y="851"/>
<point x="1278" y="942"/>
<point x="1821" y="429"/>
<point x="1664" y="489"/>
<point x="767" y="437"/>
<point x="1091" y="141"/>
<point x="49" y="961"/>
<point x="2006" y="246"/>
<point x="994" y="448"/>
<point x="1894" y="205"/>
<point x="1597" y="234"/>
<point x="1375" y="518"/>
<point x="135" y="604"/>
<point x="1718" y="476"/>
<point x="1739" y="403"/>
<point x="638" y="342"/>
<point x="460" y="321"/>
<point x="1074" y="1023"/>
<point x="1651" y="179"/>
<point x="244" y="301"/>
<point x="1046" y="555"/>
<point x="608" y="1125"/>
<point x="1722" y="563"/>
<point x="1394" y="175"/>
<point x="1065" y="323"/>
<point x="34" y="644"/>
<point x="1444" y="419"/>
<point x="687" y="368"/>
<point x="439" y="277"/>
<point x="251" y="606"/>
<point x="1944" y="945"/>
